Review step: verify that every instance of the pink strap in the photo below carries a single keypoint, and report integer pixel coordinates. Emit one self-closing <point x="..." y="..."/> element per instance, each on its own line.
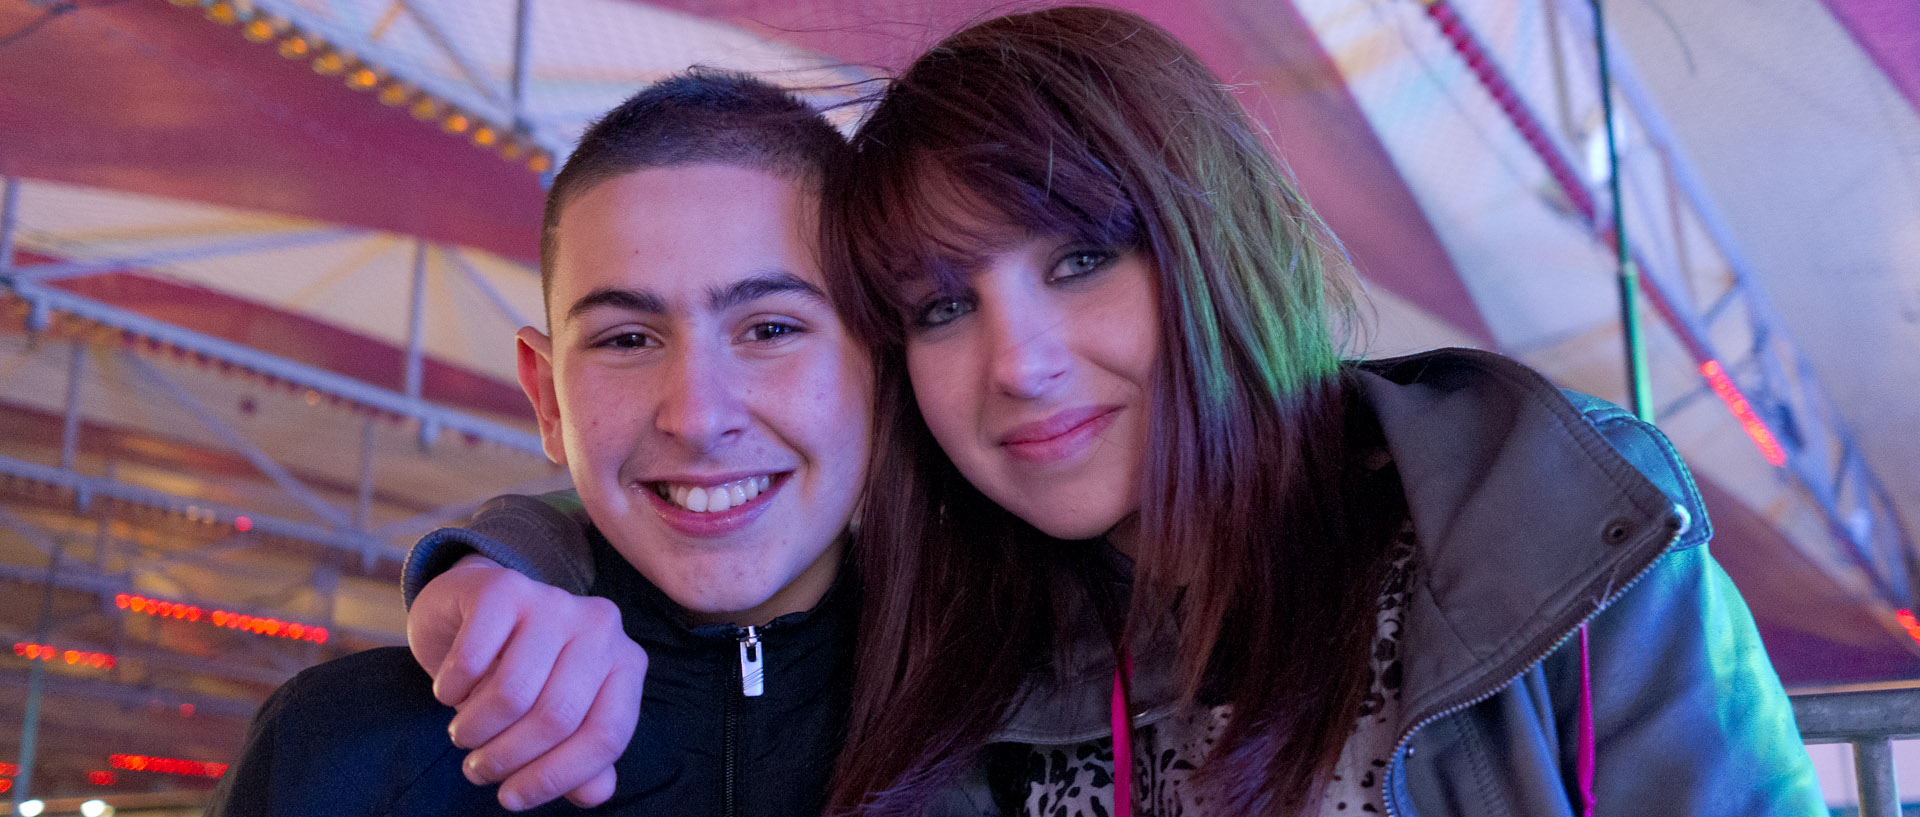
<point x="1122" y="737"/>
<point x="1584" y="764"/>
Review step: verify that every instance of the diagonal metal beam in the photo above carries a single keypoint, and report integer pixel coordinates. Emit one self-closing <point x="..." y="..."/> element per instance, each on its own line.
<point x="55" y="270"/>
<point x="416" y="526"/>
<point x="240" y="444"/>
<point x="474" y="74"/>
<point x="208" y="555"/>
<point x="47" y="298"/>
<point x="1889" y="548"/>
<point x="350" y="541"/>
<point x="485" y="286"/>
<point x="1890" y="568"/>
<point x="35" y="535"/>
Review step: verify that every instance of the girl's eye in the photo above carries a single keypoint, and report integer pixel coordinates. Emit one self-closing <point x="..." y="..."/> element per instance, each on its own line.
<point x="1081" y="262"/>
<point x="770" y="331"/>
<point x="940" y="312"/>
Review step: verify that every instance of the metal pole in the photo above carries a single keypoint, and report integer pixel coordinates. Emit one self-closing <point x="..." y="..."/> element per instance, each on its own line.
<point x="36" y="686"/>
<point x="1879" y="791"/>
<point x="417" y="324"/>
<point x="363" y="509"/>
<point x="522" y="67"/>
<point x="1638" y="382"/>
<point x="55" y="270"/>
<point x="9" y="217"/>
<point x="70" y="424"/>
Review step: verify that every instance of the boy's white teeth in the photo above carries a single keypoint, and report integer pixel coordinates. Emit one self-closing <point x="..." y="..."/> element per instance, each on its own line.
<point x="716" y="498"/>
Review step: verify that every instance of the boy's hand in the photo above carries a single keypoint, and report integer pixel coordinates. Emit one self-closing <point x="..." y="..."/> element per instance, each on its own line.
<point x="547" y="684"/>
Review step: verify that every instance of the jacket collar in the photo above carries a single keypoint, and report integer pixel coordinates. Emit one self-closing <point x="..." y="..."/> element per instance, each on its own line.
<point x="1527" y="521"/>
<point x="650" y="617"/>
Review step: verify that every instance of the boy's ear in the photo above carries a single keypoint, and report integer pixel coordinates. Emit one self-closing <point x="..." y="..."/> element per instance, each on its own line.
<point x="535" y="358"/>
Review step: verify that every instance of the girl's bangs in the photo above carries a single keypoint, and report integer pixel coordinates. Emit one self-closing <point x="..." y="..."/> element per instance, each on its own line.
<point x="933" y="215"/>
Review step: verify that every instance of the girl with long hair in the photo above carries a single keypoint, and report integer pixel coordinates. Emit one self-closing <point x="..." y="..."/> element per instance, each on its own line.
<point x="1117" y="319"/>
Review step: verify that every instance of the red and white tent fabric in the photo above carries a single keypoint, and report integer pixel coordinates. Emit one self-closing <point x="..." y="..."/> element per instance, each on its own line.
<point x="281" y="246"/>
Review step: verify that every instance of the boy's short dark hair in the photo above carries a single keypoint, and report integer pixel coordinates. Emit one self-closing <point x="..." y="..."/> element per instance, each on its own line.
<point x="697" y="117"/>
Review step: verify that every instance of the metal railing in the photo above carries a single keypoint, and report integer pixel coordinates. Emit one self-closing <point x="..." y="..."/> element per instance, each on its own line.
<point x="1870" y="718"/>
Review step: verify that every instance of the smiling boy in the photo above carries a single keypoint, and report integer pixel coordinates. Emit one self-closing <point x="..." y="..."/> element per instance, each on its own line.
<point x="713" y="413"/>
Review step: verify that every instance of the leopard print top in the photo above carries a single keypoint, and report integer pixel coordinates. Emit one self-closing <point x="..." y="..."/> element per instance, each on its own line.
<point x="1077" y="780"/>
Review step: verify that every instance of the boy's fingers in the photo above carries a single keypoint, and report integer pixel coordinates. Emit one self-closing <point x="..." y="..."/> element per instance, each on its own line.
<point x="576" y="677"/>
<point x="594" y="792"/>
<point x="583" y="763"/>
<point x="509" y="690"/>
<point x="472" y="654"/>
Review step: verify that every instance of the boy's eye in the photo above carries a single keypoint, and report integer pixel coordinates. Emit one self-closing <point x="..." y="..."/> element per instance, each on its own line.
<point x="770" y="330"/>
<point x="626" y="340"/>
<point x="941" y="311"/>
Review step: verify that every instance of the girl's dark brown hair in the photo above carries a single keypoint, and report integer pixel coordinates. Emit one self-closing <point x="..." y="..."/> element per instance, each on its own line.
<point x="1254" y="541"/>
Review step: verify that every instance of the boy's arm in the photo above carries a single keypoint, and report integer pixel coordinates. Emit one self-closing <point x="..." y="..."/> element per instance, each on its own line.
<point x="543" y="537"/>
<point x="546" y="682"/>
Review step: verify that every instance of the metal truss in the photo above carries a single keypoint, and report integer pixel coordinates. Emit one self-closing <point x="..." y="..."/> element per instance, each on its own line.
<point x="338" y="528"/>
<point x="66" y="574"/>
<point x="133" y="696"/>
<point x="344" y="525"/>
<point x="1820" y="454"/>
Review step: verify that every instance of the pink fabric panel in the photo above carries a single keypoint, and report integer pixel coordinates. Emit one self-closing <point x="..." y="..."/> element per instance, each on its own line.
<point x="1889" y="31"/>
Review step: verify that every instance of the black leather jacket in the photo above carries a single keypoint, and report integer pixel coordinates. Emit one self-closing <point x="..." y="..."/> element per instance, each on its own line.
<point x="363" y="735"/>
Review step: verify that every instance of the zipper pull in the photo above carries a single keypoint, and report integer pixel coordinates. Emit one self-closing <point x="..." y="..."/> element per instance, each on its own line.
<point x="753" y="675"/>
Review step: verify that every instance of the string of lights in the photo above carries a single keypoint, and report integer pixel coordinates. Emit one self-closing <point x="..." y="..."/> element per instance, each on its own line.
<point x="1909" y="623"/>
<point x="294" y="43"/>
<point x="167" y="765"/>
<point x="74" y="658"/>
<point x="258" y="625"/>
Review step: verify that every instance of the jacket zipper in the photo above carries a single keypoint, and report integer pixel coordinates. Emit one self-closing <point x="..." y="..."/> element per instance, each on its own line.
<point x="1398" y="763"/>
<point x="753" y="674"/>
<point x="750" y="678"/>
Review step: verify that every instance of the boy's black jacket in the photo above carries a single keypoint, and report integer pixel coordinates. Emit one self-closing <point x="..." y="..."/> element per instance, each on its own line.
<point x="363" y="735"/>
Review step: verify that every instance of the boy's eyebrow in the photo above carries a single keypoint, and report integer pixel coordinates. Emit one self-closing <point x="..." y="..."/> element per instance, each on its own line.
<point x="633" y="300"/>
<point x="759" y="286"/>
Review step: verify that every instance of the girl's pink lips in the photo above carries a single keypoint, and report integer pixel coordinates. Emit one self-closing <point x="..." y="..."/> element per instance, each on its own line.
<point x="710" y="525"/>
<point x="1063" y="436"/>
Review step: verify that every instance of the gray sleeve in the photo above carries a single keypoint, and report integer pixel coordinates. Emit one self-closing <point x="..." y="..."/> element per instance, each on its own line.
<point x="543" y="537"/>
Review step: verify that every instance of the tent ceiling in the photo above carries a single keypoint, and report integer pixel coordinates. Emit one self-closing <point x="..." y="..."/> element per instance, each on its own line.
<point x="227" y="245"/>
